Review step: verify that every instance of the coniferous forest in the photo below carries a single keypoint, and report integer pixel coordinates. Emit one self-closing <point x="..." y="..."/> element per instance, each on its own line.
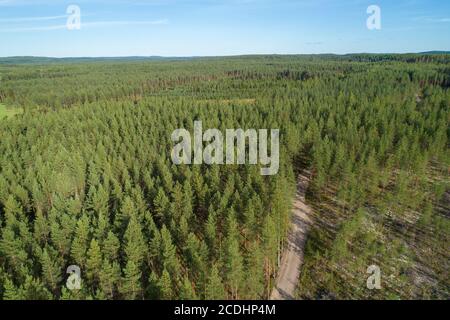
<point x="86" y="177"/>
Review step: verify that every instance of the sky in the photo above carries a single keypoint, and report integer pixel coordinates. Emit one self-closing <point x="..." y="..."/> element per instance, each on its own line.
<point x="110" y="28"/>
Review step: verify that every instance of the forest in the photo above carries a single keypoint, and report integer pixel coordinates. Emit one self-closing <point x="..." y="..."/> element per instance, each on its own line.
<point x="86" y="177"/>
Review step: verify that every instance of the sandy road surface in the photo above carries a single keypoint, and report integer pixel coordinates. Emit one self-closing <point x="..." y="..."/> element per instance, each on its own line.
<point x="292" y="258"/>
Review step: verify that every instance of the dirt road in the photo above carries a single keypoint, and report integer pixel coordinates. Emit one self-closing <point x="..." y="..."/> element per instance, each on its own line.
<point x="292" y="258"/>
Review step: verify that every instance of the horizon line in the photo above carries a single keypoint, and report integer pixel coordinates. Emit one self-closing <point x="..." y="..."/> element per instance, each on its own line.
<point x="224" y="56"/>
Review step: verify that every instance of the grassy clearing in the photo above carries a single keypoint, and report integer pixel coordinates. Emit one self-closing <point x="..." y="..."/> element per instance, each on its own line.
<point x="228" y="102"/>
<point x="8" y="112"/>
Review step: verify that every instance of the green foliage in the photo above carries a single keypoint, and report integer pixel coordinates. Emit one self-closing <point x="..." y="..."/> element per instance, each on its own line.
<point x="86" y="176"/>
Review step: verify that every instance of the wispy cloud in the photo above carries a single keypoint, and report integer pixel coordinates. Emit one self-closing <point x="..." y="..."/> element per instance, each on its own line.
<point x="24" y="19"/>
<point x="14" y="2"/>
<point x="27" y="29"/>
<point x="6" y="2"/>
<point x="430" y="19"/>
<point x="442" y="20"/>
<point x="123" y="23"/>
<point x="88" y="25"/>
<point x="314" y="43"/>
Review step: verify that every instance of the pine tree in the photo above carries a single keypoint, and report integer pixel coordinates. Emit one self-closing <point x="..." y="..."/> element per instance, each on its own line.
<point x="94" y="263"/>
<point x="153" y="286"/>
<point x="233" y="259"/>
<point x="135" y="246"/>
<point x="62" y="228"/>
<point x="254" y="281"/>
<point x="130" y="288"/>
<point x="11" y="292"/>
<point x="165" y="286"/>
<point x="51" y="271"/>
<point x="187" y="201"/>
<point x="214" y="288"/>
<point x="270" y="251"/>
<point x="196" y="256"/>
<point x="13" y="211"/>
<point x="127" y="212"/>
<point x="111" y="246"/>
<point x="80" y="242"/>
<point x="41" y="228"/>
<point x="187" y="291"/>
<point x="250" y="222"/>
<point x="33" y="289"/>
<point x="169" y="255"/>
<point x="210" y="232"/>
<point x="11" y="248"/>
<point x="162" y="205"/>
<point x="109" y="278"/>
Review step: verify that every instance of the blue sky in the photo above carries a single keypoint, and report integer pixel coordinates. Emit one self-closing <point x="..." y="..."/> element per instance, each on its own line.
<point x="220" y="27"/>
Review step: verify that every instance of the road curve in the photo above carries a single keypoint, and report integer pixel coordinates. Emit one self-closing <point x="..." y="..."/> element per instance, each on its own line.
<point x="292" y="258"/>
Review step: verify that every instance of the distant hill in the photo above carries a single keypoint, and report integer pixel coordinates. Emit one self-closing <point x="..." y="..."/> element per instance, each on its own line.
<point x="45" y="60"/>
<point x="357" y="56"/>
<point x="436" y="52"/>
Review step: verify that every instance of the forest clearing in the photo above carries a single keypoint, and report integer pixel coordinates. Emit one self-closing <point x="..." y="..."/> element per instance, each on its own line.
<point x="8" y="112"/>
